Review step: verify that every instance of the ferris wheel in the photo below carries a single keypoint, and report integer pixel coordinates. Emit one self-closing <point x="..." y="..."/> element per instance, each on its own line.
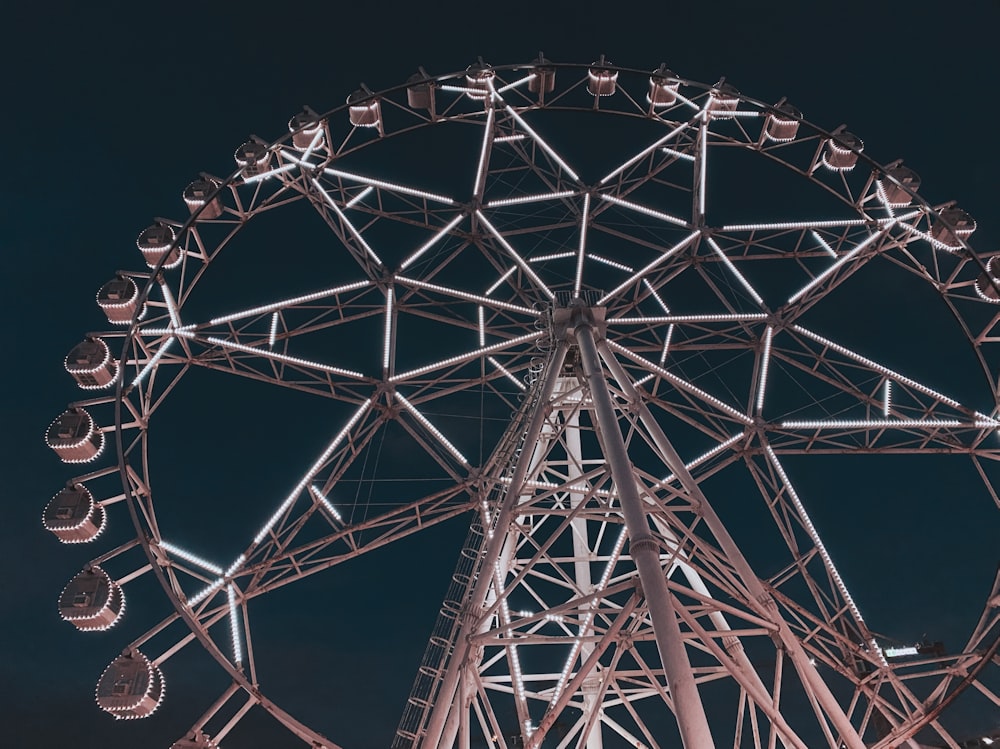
<point x="628" y="332"/>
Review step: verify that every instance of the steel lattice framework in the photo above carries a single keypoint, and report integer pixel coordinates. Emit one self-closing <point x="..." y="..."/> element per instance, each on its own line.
<point x="660" y="353"/>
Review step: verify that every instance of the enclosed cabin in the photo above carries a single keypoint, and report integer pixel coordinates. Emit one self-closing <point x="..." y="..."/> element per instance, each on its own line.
<point x="306" y="130"/>
<point x="74" y="437"/>
<point x="90" y="364"/>
<point x="252" y="158"/>
<point x="118" y="299"/>
<point x="724" y="99"/>
<point x="92" y="600"/>
<point x="543" y="79"/>
<point x="159" y="242"/>
<point x="420" y="91"/>
<point x="841" y="151"/>
<point x="602" y="78"/>
<point x="663" y="87"/>
<point x="479" y="79"/>
<point x="898" y="186"/>
<point x="989" y="281"/>
<point x="782" y="123"/>
<point x="73" y="516"/>
<point x="953" y="226"/>
<point x="364" y="109"/>
<point x="203" y="195"/>
<point x="130" y="687"/>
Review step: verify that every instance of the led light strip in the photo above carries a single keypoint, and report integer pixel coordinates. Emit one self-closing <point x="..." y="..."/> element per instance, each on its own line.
<point x="432" y="241"/>
<point x="391" y="186"/>
<point x="681" y="383"/>
<point x="234" y="625"/>
<point x="541" y="142"/>
<point x="506" y="373"/>
<point x="359" y="197"/>
<point x="582" y="248"/>
<point x="326" y="503"/>
<point x="311" y="473"/>
<point x="721" y="447"/>
<point x="659" y="320"/>
<point x="845" y="258"/>
<point x="656" y="295"/>
<point x="151" y="364"/>
<point x="678" y="154"/>
<point x="764" y="363"/>
<point x="822" y="243"/>
<point x="646" y="151"/>
<point x="735" y="271"/>
<point x="462" y="358"/>
<point x="879" y="424"/>
<point x="387" y="331"/>
<point x="273" y="336"/>
<point x="513" y="253"/>
<point x="270" y="173"/>
<point x="483" y="153"/>
<point x="291" y="301"/>
<point x="652" y="213"/>
<point x="611" y="263"/>
<point x="486" y="301"/>
<point x="189" y="557"/>
<point x="432" y="429"/>
<point x="649" y="266"/>
<point x="347" y="222"/>
<point x="537" y="198"/>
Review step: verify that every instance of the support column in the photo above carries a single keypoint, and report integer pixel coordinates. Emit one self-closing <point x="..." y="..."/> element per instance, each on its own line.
<point x="691" y="719"/>
<point x="444" y="702"/>
<point x="796" y="653"/>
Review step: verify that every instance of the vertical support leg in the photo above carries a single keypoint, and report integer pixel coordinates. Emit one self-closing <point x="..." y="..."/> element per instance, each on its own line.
<point x="691" y="719"/>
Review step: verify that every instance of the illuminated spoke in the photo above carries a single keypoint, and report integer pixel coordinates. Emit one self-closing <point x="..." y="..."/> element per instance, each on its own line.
<point x="390" y="186"/>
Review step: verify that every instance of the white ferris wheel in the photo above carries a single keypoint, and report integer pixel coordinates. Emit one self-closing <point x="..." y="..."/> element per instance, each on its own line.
<point x="633" y="330"/>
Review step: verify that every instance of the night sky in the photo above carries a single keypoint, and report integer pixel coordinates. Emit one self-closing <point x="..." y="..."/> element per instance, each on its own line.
<point x="110" y="113"/>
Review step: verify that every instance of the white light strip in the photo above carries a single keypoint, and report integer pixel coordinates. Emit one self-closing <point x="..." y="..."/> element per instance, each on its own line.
<point x="650" y="376"/>
<point x="880" y="191"/>
<point x="237" y="563"/>
<point x="764" y="364"/>
<point x="468" y="296"/>
<point x="206" y="592"/>
<point x="151" y="364"/>
<point x="311" y="473"/>
<point x="387" y="331"/>
<point x="482" y="325"/>
<point x="168" y="299"/>
<point x="702" y="161"/>
<point x="509" y="138"/>
<point x="813" y="534"/>
<point x="553" y="256"/>
<point x="506" y="373"/>
<point x="391" y="186"/>
<point x="611" y="263"/>
<point x="656" y="295"/>
<point x="537" y="198"/>
<point x="879" y="424"/>
<point x="270" y="173"/>
<point x="432" y="429"/>
<point x="541" y="142"/>
<point x="823" y="243"/>
<point x="936" y="243"/>
<point x="274" y="330"/>
<point x="483" y="153"/>
<point x="748" y="317"/>
<point x="681" y="383"/>
<point x="189" y="557"/>
<point x="519" y="82"/>
<point x="585" y="624"/>
<point x="274" y="306"/>
<point x="666" y="345"/>
<point x="347" y="222"/>
<point x="582" y="248"/>
<point x="646" y="151"/>
<point x="359" y="197"/>
<point x="317" y="138"/>
<point x="645" y="211"/>
<point x="846" y="257"/>
<point x="735" y="271"/>
<point x="321" y="498"/>
<point x="786" y="225"/>
<point x="432" y="241"/>
<point x="887" y="398"/>
<point x="721" y="447"/>
<point x="284" y="358"/>
<point x="507" y="274"/>
<point x="678" y="154"/>
<point x="234" y="626"/>
<point x="477" y="93"/>
<point x="513" y="253"/>
<point x="461" y="359"/>
<point x="649" y="266"/>
<point x="877" y="367"/>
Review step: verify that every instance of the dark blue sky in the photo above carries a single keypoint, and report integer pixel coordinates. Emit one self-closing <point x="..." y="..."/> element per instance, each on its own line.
<point x="111" y="112"/>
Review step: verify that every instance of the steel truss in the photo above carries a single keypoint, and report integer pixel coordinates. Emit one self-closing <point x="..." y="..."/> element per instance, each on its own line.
<point x="650" y="347"/>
